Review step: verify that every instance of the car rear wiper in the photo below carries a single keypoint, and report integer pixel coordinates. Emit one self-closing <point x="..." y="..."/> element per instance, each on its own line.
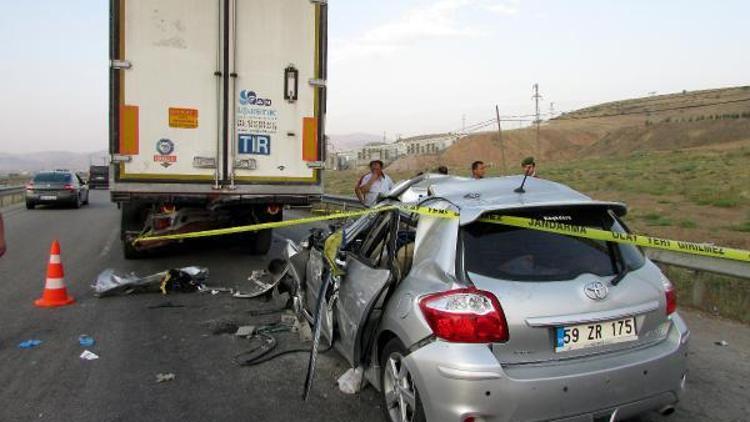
<point x="625" y="269"/>
<point x="618" y="278"/>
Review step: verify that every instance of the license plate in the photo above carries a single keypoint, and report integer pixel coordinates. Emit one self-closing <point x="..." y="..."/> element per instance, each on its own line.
<point x="582" y="336"/>
<point x="48" y="198"/>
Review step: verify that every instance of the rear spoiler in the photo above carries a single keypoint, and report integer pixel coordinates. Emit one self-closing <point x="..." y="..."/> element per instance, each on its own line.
<point x="470" y="214"/>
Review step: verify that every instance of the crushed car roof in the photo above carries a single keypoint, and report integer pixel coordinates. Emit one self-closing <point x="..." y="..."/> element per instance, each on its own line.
<point x="476" y="197"/>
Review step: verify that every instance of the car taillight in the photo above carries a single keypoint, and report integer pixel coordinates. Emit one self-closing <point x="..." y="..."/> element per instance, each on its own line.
<point x="465" y="316"/>
<point x="69" y="187"/>
<point x="29" y="186"/>
<point x="671" y="296"/>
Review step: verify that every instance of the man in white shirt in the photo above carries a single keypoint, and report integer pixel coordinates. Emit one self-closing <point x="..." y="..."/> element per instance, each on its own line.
<point x="373" y="183"/>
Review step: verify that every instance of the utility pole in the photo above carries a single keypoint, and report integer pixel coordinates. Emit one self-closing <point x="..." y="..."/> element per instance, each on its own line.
<point x="463" y="124"/>
<point x="551" y="110"/>
<point x="538" y="120"/>
<point x="500" y="138"/>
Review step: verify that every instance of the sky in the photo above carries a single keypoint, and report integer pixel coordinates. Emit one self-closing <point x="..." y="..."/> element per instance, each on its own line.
<point x="399" y="67"/>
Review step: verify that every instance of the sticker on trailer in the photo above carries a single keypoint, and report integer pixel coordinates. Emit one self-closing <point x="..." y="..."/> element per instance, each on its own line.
<point x="256" y="114"/>
<point x="254" y="144"/>
<point x="165" y="147"/>
<point x="184" y="118"/>
<point x="248" y="97"/>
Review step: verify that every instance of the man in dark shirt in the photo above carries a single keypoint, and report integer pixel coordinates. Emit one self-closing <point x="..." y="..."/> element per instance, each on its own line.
<point x="2" y="236"/>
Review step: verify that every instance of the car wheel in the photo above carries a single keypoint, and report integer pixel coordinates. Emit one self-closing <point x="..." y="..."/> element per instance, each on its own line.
<point x="77" y="203"/>
<point x="30" y="205"/>
<point x="401" y="402"/>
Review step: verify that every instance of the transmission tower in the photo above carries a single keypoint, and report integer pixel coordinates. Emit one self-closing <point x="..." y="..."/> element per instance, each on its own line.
<point x="538" y="119"/>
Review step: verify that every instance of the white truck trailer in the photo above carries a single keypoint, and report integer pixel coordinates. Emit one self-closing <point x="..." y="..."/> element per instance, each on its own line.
<point x="217" y="111"/>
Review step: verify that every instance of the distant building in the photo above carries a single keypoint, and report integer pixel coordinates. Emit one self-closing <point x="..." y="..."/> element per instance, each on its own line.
<point x="426" y="144"/>
<point x="390" y="152"/>
<point x="382" y="151"/>
<point x="342" y="160"/>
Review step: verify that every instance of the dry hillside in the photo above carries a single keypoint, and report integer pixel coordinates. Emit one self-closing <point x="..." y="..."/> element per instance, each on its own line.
<point x="711" y="118"/>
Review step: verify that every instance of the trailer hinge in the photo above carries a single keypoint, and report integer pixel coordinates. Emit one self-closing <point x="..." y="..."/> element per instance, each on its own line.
<point x="118" y="158"/>
<point x="316" y="165"/>
<point x="317" y="82"/>
<point x="120" y="64"/>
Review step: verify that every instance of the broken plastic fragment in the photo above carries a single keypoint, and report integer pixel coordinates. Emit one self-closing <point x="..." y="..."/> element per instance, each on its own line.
<point x="29" y="344"/>
<point x="164" y="377"/>
<point x="86" y="340"/>
<point x="87" y="355"/>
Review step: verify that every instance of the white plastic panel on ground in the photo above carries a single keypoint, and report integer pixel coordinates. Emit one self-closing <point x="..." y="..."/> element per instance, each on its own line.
<point x="173" y="46"/>
<point x="271" y="35"/>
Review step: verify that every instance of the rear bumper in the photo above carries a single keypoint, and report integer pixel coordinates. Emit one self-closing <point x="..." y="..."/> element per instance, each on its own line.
<point x="46" y="197"/>
<point x="460" y="380"/>
<point x="294" y="194"/>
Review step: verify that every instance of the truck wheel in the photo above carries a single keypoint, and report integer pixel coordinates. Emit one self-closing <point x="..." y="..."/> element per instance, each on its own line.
<point x="132" y="220"/>
<point x="261" y="242"/>
<point x="130" y="252"/>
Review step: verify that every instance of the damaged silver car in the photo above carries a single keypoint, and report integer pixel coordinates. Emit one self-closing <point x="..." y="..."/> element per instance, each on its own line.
<point x="465" y="320"/>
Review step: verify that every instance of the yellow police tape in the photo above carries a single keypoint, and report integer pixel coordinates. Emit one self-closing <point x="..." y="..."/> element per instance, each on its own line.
<point x="526" y="223"/>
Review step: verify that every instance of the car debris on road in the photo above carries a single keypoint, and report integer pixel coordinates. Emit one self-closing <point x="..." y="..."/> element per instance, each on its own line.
<point x="86" y="340"/>
<point x="160" y="378"/>
<point x="29" y="344"/>
<point x="186" y="280"/>
<point x="88" y="355"/>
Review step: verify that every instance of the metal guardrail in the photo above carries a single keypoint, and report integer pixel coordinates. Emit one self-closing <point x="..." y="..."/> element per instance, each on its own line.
<point x="694" y="262"/>
<point x="342" y="201"/>
<point x="11" y="195"/>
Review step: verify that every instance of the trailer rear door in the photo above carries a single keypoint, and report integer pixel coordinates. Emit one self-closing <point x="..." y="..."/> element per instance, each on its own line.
<point x="168" y="91"/>
<point x="277" y="47"/>
<point x="221" y="92"/>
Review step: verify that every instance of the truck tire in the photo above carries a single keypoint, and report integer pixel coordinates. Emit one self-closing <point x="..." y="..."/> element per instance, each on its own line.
<point x="261" y="242"/>
<point x="132" y="220"/>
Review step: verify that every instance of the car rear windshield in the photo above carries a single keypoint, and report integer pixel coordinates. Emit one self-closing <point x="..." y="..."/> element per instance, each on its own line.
<point x="513" y="253"/>
<point x="53" y="178"/>
<point x="104" y="170"/>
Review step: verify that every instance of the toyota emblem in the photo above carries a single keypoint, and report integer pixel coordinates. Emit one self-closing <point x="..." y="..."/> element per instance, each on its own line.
<point x="596" y="290"/>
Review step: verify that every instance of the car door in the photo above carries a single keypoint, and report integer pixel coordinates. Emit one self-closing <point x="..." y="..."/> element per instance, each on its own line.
<point x="83" y="189"/>
<point x="368" y="272"/>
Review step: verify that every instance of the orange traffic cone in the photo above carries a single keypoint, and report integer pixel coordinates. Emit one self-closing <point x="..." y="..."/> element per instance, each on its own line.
<point x="55" y="293"/>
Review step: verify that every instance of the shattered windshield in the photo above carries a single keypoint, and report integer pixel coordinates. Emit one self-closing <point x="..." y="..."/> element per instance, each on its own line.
<point x="514" y="253"/>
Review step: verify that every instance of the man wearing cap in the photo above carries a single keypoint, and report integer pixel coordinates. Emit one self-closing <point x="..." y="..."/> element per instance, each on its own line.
<point x="529" y="166"/>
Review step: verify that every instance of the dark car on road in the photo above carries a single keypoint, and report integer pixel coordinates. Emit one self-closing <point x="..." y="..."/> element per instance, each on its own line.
<point x="57" y="187"/>
<point x="99" y="177"/>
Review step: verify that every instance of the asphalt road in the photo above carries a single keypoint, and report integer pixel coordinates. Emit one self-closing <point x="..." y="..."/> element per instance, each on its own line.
<point x="135" y="342"/>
